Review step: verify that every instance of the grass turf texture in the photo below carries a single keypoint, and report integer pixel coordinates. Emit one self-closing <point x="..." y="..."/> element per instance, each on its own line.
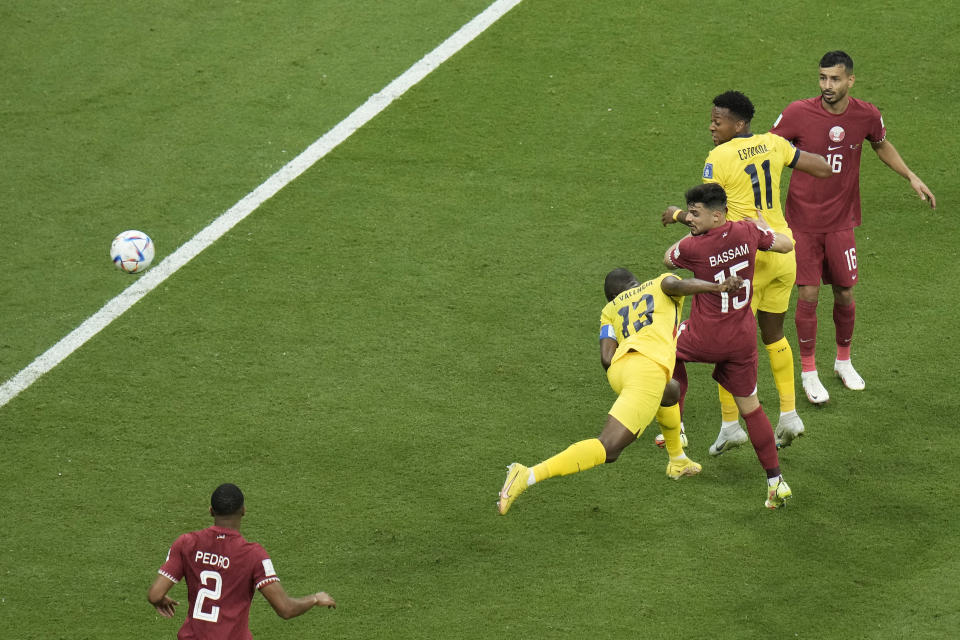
<point x="367" y="351"/>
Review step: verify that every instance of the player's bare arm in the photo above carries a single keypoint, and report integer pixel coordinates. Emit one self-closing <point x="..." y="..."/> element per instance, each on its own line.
<point x="673" y="286"/>
<point x="891" y="157"/>
<point x="287" y="607"/>
<point x="673" y="214"/>
<point x="157" y="595"/>
<point x="608" y="346"/>
<point x="814" y="164"/>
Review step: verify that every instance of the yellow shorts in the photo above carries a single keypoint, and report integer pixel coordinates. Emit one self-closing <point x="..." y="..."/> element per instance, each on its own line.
<point x="639" y="383"/>
<point x="773" y="281"/>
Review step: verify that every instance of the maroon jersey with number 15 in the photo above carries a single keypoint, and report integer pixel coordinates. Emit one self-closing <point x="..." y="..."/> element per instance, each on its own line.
<point x="223" y="571"/>
<point x="723" y="322"/>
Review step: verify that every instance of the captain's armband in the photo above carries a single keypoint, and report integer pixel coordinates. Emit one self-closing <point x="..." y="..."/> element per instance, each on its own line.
<point x="606" y="331"/>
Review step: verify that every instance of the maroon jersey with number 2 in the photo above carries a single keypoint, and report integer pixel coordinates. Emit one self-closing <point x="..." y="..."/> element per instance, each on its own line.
<point x="223" y="571"/>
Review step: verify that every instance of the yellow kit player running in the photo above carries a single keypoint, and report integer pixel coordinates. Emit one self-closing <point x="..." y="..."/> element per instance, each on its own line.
<point x="638" y="345"/>
<point x="748" y="167"/>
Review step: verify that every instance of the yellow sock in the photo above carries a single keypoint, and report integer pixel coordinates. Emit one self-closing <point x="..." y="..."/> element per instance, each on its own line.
<point x="781" y="364"/>
<point x="728" y="408"/>
<point x="579" y="456"/>
<point x="669" y="420"/>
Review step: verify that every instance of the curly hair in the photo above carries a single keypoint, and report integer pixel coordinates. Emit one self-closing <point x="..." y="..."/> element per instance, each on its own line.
<point x="737" y="103"/>
<point x="227" y="499"/>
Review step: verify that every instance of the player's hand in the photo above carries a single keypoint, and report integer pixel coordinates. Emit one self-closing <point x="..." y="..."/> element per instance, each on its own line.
<point x="167" y="607"/>
<point x="323" y="599"/>
<point x="923" y="191"/>
<point x="667" y="216"/>
<point x="761" y="221"/>
<point x="733" y="283"/>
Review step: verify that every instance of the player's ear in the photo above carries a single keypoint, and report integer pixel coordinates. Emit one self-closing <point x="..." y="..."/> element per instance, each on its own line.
<point x="212" y="514"/>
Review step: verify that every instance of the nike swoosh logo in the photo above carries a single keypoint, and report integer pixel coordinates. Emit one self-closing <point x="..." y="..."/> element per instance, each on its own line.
<point x="834" y="148"/>
<point x="807" y="340"/>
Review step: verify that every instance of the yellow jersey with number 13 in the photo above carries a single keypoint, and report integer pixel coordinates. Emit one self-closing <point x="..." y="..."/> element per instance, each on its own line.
<point x="748" y="168"/>
<point x="644" y="319"/>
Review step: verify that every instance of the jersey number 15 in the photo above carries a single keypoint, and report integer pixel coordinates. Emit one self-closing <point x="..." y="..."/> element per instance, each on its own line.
<point x="742" y="298"/>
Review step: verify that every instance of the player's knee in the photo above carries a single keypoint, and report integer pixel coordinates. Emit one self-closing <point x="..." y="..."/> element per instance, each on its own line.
<point x="671" y="394"/>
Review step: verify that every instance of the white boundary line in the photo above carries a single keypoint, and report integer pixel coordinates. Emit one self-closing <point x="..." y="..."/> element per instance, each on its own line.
<point x="289" y="172"/>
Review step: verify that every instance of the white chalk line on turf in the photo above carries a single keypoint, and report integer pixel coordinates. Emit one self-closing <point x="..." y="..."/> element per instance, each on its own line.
<point x="289" y="172"/>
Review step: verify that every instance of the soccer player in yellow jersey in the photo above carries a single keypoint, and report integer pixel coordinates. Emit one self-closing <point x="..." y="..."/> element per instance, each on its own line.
<point x="748" y="166"/>
<point x="638" y="345"/>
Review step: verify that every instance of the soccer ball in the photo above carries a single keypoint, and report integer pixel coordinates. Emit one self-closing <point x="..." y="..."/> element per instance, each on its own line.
<point x="132" y="251"/>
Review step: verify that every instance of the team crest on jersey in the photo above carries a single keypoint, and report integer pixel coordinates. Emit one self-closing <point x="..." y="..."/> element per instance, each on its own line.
<point x="708" y="170"/>
<point x="837" y="134"/>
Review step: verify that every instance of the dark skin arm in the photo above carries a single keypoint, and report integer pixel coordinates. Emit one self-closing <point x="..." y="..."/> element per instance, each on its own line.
<point x="157" y="595"/>
<point x="287" y="607"/>
<point x="814" y="164"/>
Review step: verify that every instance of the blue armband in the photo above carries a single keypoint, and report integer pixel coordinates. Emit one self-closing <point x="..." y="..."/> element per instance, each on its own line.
<point x="606" y="331"/>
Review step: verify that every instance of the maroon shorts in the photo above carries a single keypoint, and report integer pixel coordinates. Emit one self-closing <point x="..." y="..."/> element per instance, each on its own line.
<point x="830" y="257"/>
<point x="735" y="365"/>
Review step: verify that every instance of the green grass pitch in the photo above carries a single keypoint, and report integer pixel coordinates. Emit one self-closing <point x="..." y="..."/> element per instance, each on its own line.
<point x="367" y="352"/>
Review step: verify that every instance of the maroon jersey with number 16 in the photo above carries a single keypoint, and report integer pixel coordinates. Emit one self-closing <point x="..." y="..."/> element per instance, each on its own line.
<point x="223" y="571"/>
<point x="820" y="205"/>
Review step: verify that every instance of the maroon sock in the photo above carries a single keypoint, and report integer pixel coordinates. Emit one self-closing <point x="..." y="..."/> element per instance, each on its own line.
<point x="843" y="318"/>
<point x="763" y="441"/>
<point x="806" y="321"/>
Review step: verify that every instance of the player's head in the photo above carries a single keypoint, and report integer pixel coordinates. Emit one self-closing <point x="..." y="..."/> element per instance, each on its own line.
<point x="836" y="77"/>
<point x="227" y="500"/>
<point x="618" y="281"/>
<point x="706" y="207"/>
<point x="731" y="116"/>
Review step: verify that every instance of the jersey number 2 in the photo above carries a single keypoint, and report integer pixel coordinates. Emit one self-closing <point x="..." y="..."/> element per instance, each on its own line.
<point x="208" y="593"/>
<point x="751" y="170"/>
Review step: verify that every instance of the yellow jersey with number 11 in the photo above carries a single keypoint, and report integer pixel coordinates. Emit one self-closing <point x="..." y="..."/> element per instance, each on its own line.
<point x="748" y="168"/>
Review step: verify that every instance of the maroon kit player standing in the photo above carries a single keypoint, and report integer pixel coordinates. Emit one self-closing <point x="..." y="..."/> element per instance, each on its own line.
<point x="223" y="571"/>
<point x="824" y="213"/>
<point x="721" y="328"/>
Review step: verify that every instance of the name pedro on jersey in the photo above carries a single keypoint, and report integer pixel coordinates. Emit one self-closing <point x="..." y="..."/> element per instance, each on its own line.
<point x="729" y="254"/>
<point x="748" y="152"/>
<point x="212" y="559"/>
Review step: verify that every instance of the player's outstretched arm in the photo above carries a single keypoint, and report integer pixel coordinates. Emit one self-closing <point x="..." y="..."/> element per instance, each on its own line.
<point x="287" y="607"/>
<point x="157" y="595"/>
<point x="891" y="157"/>
<point x="814" y="164"/>
<point x="673" y="286"/>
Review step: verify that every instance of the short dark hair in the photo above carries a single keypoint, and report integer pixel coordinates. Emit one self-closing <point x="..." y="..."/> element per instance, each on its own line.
<point x="227" y="499"/>
<point x="834" y="58"/>
<point x="616" y="282"/>
<point x="737" y="103"/>
<point x="710" y="194"/>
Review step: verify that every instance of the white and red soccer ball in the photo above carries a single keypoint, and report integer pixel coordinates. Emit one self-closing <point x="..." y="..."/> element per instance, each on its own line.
<point x="132" y="251"/>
